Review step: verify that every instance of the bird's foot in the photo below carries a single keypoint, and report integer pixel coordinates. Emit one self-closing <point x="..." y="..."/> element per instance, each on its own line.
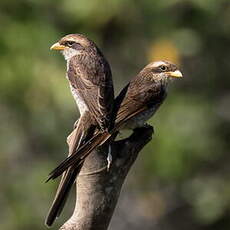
<point x="109" y="159"/>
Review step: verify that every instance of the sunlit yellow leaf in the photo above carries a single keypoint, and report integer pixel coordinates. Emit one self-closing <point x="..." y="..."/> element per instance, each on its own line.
<point x="163" y="49"/>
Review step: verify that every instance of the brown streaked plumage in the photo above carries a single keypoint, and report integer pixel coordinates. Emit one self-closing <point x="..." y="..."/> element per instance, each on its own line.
<point x="91" y="84"/>
<point x="136" y="103"/>
<point x="89" y="76"/>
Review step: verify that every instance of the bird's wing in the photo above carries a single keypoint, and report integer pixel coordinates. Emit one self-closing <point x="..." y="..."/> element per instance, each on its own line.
<point x="81" y="134"/>
<point x="94" y="85"/>
<point x="134" y="99"/>
<point x="140" y="95"/>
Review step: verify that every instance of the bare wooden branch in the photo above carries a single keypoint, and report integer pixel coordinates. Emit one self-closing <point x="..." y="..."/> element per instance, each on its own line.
<point x="98" y="189"/>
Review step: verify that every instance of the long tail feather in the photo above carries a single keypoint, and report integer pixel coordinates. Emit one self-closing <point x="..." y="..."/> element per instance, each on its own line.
<point x="62" y="194"/>
<point x="81" y="154"/>
<point x="83" y="132"/>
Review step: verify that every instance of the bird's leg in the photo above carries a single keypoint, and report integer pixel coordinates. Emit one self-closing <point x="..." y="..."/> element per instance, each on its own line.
<point x="109" y="158"/>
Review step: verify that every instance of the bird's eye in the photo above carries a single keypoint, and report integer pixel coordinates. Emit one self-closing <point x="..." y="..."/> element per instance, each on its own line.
<point x="163" y="68"/>
<point x="69" y="43"/>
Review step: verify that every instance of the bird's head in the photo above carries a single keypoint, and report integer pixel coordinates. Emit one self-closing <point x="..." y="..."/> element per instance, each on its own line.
<point x="161" y="71"/>
<point x="72" y="44"/>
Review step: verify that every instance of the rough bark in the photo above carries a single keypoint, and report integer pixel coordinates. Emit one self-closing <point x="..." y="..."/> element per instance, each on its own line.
<point x="98" y="189"/>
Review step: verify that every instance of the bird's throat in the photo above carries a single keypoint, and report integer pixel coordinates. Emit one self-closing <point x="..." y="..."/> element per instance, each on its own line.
<point x="68" y="53"/>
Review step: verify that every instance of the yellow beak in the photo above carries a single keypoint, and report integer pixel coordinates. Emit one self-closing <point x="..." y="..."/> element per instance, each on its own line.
<point x="57" y="46"/>
<point x="176" y="73"/>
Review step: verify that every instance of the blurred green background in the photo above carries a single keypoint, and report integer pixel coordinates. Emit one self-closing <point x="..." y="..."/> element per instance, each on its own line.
<point x="181" y="180"/>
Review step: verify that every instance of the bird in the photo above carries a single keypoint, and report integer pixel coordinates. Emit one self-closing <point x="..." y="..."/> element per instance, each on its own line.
<point x="90" y="79"/>
<point x="134" y="106"/>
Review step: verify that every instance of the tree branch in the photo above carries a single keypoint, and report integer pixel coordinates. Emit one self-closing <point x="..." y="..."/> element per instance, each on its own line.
<point x="97" y="188"/>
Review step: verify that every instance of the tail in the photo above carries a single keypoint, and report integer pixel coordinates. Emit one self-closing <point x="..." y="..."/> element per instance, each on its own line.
<point x="68" y="179"/>
<point x="79" y="156"/>
<point x="83" y="132"/>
